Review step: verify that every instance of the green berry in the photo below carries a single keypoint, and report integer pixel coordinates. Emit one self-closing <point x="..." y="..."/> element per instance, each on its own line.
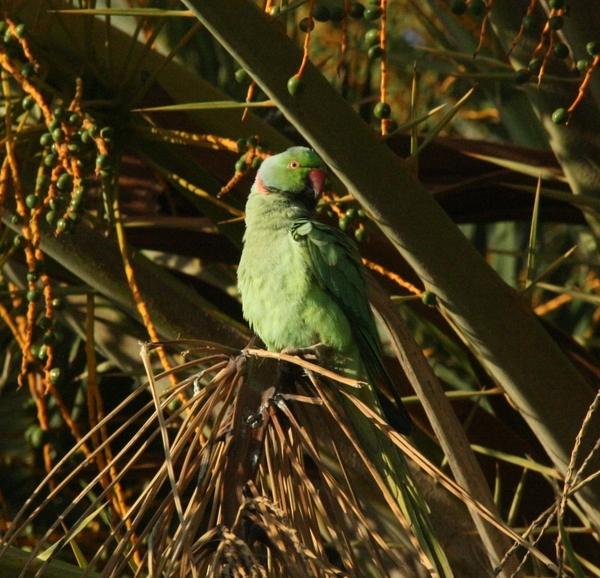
<point x="557" y="4"/>
<point x="275" y="10"/>
<point x="321" y="13"/>
<point x="32" y="201"/>
<point x="357" y="10"/>
<point x="49" y="338"/>
<point x="361" y="234"/>
<point x="50" y="159"/>
<point x="560" y="116"/>
<point x="477" y="7"/>
<point x="343" y="223"/>
<point x="429" y="298"/>
<point x="561" y="50"/>
<point x="372" y="36"/>
<point x="45" y="323"/>
<point x="241" y="144"/>
<point x="107" y="132"/>
<point x="582" y="65"/>
<point x="242" y="76"/>
<point x="241" y="166"/>
<point x="28" y="102"/>
<point x="20" y="30"/>
<point x="593" y="48"/>
<point x="16" y="219"/>
<point x="556" y="22"/>
<point x="58" y="135"/>
<point x="530" y="22"/>
<point x="33" y="295"/>
<point x="28" y="70"/>
<point x="59" y="113"/>
<point x="55" y="374"/>
<point x="102" y="161"/>
<point x="62" y="225"/>
<point x="392" y="125"/>
<point x="174" y="404"/>
<point x="251" y="141"/>
<point x="51" y="217"/>
<point x="382" y="110"/>
<point x="375" y="52"/>
<point x="256" y="162"/>
<point x="58" y="304"/>
<point x="535" y="65"/>
<point x="32" y="276"/>
<point x="458" y="7"/>
<point x="54" y="124"/>
<point x="372" y="13"/>
<point x="351" y="213"/>
<point x="522" y="76"/>
<point x="46" y="139"/>
<point x="64" y="182"/>
<point x="94" y="131"/>
<point x="19" y="241"/>
<point x="75" y="119"/>
<point x="295" y="85"/>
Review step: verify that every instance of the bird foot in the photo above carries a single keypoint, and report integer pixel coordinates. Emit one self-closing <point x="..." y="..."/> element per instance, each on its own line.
<point x="317" y="351"/>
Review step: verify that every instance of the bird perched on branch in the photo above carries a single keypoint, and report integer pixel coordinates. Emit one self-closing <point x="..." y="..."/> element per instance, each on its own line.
<point x="303" y="285"/>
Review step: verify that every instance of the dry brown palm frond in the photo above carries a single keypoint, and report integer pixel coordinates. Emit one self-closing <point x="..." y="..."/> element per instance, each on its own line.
<point x="259" y="476"/>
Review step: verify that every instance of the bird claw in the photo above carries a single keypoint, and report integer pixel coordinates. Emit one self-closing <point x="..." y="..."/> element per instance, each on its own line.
<point x="317" y="350"/>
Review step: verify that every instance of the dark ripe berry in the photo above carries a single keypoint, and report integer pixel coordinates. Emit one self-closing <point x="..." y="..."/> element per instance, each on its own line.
<point x="64" y="182"/>
<point x="337" y="14"/>
<point x="361" y="234"/>
<point x="373" y="13"/>
<point x="45" y="323"/>
<point x="593" y="48"/>
<point x="241" y="166"/>
<point x="28" y="102"/>
<point x="46" y="139"/>
<point x="375" y="52"/>
<point x="356" y="10"/>
<point x="242" y="76"/>
<point x="32" y="201"/>
<point x="530" y="22"/>
<point x="33" y="295"/>
<point x="458" y="7"/>
<point x="321" y="13"/>
<point x="477" y="7"/>
<point x="560" y="116"/>
<point x="429" y="298"/>
<point x="536" y="65"/>
<point x="20" y="30"/>
<point x="295" y="85"/>
<point x="556" y="22"/>
<point x="522" y="76"/>
<point x="372" y="36"/>
<point x="343" y="223"/>
<point x="251" y="141"/>
<point x="241" y="144"/>
<point x="382" y="110"/>
<point x="557" y="4"/>
<point x="306" y="24"/>
<point x="582" y="65"/>
<point x="561" y="50"/>
<point x="28" y="70"/>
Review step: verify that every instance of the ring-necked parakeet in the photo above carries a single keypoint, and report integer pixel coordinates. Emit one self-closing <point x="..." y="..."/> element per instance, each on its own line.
<point x="303" y="284"/>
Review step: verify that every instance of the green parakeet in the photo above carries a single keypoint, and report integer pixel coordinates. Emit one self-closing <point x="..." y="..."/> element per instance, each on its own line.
<point x="303" y="284"/>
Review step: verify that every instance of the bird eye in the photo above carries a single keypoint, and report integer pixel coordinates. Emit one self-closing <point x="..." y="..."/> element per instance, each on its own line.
<point x="294" y="165"/>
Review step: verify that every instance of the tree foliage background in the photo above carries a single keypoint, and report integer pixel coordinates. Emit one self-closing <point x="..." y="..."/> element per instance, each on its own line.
<point x="463" y="141"/>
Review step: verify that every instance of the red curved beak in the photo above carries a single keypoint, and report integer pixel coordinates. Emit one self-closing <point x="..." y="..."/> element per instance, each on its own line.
<point x="318" y="180"/>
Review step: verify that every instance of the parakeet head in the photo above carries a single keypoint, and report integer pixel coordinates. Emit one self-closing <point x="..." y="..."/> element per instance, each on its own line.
<point x="297" y="173"/>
